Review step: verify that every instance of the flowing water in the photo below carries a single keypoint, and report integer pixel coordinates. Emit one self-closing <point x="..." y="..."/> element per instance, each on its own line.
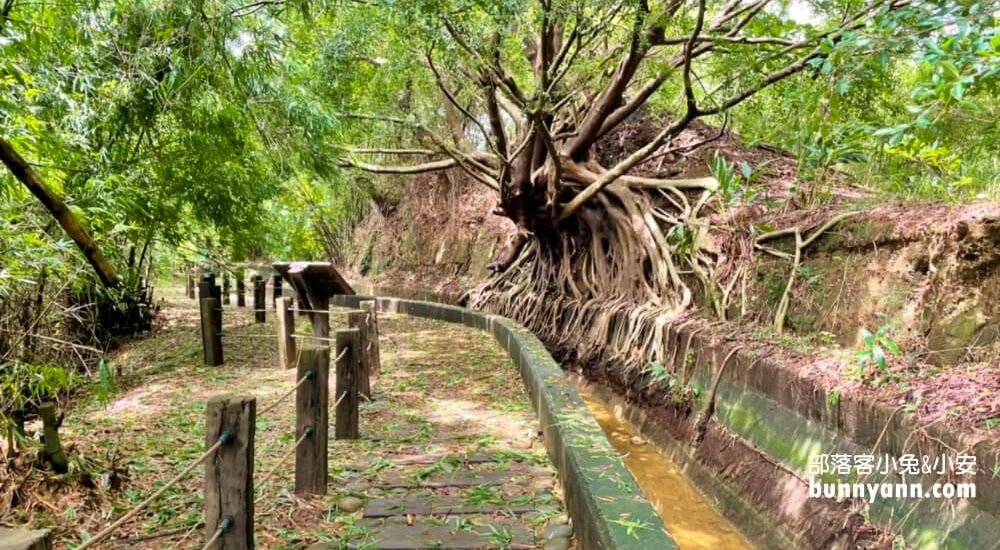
<point x="689" y="516"/>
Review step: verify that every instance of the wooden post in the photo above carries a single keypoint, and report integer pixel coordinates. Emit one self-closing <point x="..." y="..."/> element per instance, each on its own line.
<point x="312" y="417"/>
<point x="229" y="472"/>
<point x="53" y="448"/>
<point x="276" y="290"/>
<point x="16" y="433"/>
<point x="206" y="287"/>
<point x="211" y="336"/>
<point x="320" y="321"/>
<point x="348" y="379"/>
<point x="241" y="288"/>
<point x="371" y="307"/>
<point x="286" y="328"/>
<point x="190" y="281"/>
<point x="259" y="300"/>
<point x="359" y="319"/>
<point x="226" y="288"/>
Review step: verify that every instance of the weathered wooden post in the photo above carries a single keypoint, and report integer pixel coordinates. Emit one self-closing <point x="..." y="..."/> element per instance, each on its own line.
<point x="312" y="421"/>
<point x="241" y="288"/>
<point x="359" y="319"/>
<point x="348" y="379"/>
<point x="226" y="288"/>
<point x="206" y="285"/>
<point x="229" y="473"/>
<point x="371" y="307"/>
<point x="211" y="335"/>
<point x="190" y="281"/>
<point x="50" y="429"/>
<point x="276" y="291"/>
<point x="320" y="316"/>
<point x="286" y="328"/>
<point x="259" y="300"/>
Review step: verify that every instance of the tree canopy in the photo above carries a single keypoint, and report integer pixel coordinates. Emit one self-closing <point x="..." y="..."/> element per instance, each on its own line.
<point x="221" y="128"/>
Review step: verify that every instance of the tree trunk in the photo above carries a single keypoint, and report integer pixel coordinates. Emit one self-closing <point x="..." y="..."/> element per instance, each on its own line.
<point x="55" y="205"/>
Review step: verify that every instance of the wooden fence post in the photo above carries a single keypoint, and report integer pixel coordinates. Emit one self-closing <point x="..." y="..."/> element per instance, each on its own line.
<point x="206" y="285"/>
<point x="359" y="319"/>
<point x="53" y="448"/>
<point x="320" y="319"/>
<point x="211" y="336"/>
<point x="286" y="328"/>
<point x="241" y="288"/>
<point x="276" y="290"/>
<point x="226" y="288"/>
<point x="259" y="302"/>
<point x="312" y="418"/>
<point x="229" y="473"/>
<point x="190" y="281"/>
<point x="348" y="381"/>
<point x="371" y="307"/>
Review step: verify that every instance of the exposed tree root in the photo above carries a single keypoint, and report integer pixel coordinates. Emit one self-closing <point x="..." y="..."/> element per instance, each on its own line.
<point x="617" y="287"/>
<point x="702" y="423"/>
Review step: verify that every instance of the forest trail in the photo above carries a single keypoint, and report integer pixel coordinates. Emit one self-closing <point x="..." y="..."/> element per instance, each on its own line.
<point x="449" y="450"/>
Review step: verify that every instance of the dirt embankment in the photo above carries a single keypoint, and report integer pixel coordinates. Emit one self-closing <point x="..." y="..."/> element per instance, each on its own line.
<point x="923" y="280"/>
<point x="928" y="276"/>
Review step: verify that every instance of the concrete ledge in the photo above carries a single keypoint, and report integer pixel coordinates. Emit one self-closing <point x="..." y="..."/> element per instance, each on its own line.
<point x="607" y="507"/>
<point x="24" y="539"/>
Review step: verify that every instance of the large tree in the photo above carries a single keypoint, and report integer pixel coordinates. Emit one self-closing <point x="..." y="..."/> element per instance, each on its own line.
<point x="529" y="90"/>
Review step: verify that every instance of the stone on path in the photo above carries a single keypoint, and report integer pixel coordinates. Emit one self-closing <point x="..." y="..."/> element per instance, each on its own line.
<point x="23" y="539"/>
<point x="558" y="531"/>
<point x="349" y="505"/>
<point x="557" y="544"/>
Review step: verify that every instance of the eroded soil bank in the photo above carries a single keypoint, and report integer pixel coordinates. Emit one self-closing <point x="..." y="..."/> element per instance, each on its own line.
<point x="924" y="278"/>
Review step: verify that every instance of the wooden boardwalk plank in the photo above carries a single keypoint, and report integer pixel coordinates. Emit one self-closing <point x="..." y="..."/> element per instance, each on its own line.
<point x="424" y="536"/>
<point x="456" y="457"/>
<point x="458" y="478"/>
<point x="438" y="506"/>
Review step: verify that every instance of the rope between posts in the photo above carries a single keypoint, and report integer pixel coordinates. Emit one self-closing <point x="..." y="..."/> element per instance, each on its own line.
<point x="311" y="337"/>
<point x="227" y="521"/>
<point x="320" y="311"/>
<point x="301" y="381"/>
<point x="339" y="399"/>
<point x="306" y="433"/>
<point x="223" y="439"/>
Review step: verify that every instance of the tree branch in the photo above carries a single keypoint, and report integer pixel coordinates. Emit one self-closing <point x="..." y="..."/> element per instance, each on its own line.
<point x="55" y="205"/>
<point x="433" y="166"/>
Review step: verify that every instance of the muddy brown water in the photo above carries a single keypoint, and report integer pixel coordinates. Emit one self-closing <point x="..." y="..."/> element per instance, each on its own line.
<point x="689" y="516"/>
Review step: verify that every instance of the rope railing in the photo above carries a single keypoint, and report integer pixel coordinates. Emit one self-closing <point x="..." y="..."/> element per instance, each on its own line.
<point x="309" y="375"/>
<point x="299" y="336"/>
<point x="226" y="437"/>
<point x="319" y="311"/>
<point x="226" y="522"/>
<point x="310" y="444"/>
<point x="263" y="482"/>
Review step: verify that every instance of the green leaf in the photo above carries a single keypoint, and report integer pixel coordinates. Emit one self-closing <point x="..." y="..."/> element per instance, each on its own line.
<point x="890" y="345"/>
<point x="867" y="337"/>
<point x="879" y="356"/>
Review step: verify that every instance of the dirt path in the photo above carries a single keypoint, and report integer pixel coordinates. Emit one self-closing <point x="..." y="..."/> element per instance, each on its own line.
<point x="449" y="450"/>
